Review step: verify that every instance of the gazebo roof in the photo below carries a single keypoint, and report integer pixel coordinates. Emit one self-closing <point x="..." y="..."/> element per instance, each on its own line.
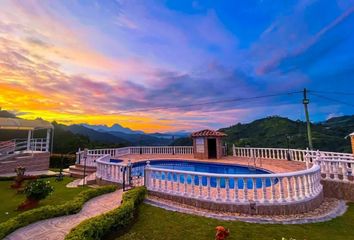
<point x="23" y="124"/>
<point x="352" y="134"/>
<point x="208" y="133"/>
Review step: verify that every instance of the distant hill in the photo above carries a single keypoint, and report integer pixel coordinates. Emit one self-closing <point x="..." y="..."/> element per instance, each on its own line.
<point x="6" y="114"/>
<point x="143" y="139"/>
<point x="103" y="137"/>
<point x="273" y="131"/>
<point x="115" y="128"/>
<point x="184" y="141"/>
<point x="266" y="132"/>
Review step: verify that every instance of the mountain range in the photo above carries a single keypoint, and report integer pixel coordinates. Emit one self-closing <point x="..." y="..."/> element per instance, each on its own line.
<point x="272" y="131"/>
<point x="329" y="135"/>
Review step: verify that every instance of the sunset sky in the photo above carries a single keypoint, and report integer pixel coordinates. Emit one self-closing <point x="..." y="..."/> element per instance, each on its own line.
<point x="105" y="62"/>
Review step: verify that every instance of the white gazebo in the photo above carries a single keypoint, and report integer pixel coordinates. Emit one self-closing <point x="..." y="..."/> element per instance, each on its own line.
<point x="31" y="144"/>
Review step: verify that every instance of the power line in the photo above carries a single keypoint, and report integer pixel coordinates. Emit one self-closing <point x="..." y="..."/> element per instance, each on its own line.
<point x="212" y="102"/>
<point x="332" y="99"/>
<point x="338" y="93"/>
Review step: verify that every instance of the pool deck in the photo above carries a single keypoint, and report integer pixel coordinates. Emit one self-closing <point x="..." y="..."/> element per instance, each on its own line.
<point x="276" y="166"/>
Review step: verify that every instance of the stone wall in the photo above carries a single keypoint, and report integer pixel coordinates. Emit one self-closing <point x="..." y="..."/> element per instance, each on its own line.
<point x="252" y="209"/>
<point x="32" y="162"/>
<point x="339" y="190"/>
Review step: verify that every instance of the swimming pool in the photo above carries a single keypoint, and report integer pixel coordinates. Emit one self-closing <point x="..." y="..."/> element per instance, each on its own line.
<point x="193" y="166"/>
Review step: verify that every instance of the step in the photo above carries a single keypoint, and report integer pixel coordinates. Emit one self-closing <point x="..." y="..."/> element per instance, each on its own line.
<point x="79" y="172"/>
<point x="78" y="166"/>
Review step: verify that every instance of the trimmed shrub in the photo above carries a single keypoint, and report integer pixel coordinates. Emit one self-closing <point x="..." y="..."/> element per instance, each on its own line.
<point x="115" y="220"/>
<point x="52" y="211"/>
<point x="38" y="189"/>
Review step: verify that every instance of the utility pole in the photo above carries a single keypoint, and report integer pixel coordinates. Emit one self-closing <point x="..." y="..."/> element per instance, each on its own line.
<point x="306" y="101"/>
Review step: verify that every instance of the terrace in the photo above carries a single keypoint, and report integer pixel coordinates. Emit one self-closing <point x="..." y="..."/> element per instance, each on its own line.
<point x="258" y="185"/>
<point x="297" y="181"/>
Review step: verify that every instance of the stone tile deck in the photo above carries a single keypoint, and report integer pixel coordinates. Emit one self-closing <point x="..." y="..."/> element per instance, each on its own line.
<point x="57" y="228"/>
<point x="273" y="165"/>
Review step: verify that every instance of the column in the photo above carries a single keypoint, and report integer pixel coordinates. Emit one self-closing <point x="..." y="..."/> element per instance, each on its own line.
<point x="47" y="140"/>
<point x="29" y="137"/>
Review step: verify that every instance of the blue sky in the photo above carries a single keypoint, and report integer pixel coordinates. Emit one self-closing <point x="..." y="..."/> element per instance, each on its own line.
<point x="112" y="61"/>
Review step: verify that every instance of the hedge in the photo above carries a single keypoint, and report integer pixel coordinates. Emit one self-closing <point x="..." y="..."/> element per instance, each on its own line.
<point x="114" y="220"/>
<point x="51" y="211"/>
<point x="61" y="160"/>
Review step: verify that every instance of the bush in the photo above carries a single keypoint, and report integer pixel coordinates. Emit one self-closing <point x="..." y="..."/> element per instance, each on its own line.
<point x="56" y="160"/>
<point x="115" y="220"/>
<point x="51" y="211"/>
<point x="38" y="190"/>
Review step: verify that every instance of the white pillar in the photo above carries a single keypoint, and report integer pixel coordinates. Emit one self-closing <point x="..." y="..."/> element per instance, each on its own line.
<point x="47" y="140"/>
<point x="29" y="140"/>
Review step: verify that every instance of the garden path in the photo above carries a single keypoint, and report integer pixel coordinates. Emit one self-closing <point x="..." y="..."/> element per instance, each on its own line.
<point x="57" y="228"/>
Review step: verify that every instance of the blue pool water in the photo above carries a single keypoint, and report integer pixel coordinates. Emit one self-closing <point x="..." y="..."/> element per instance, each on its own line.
<point x="138" y="170"/>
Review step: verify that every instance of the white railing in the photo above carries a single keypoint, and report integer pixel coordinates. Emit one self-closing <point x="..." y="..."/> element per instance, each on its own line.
<point x="112" y="172"/>
<point x="282" y="153"/>
<point x="164" y="150"/>
<point x="22" y="145"/>
<point x="336" y="170"/>
<point x="334" y="166"/>
<point x="118" y="152"/>
<point x="236" y="188"/>
<point x="38" y="145"/>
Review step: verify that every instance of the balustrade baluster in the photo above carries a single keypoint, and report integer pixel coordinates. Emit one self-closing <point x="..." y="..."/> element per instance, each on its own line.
<point x="172" y="183"/>
<point x="185" y="185"/>
<point x="272" y="190"/>
<point x="345" y="171"/>
<point x="192" y="184"/>
<point x="160" y="180"/>
<point x="218" y="197"/>
<point x="245" y="190"/>
<point x="281" y="190"/>
<point x="166" y="180"/>
<point x="254" y="187"/>
<point x="264" y="190"/>
<point x="227" y="189"/>
<point x="302" y="183"/>
<point x="208" y="187"/>
<point x="289" y="188"/>
<point x="200" y="179"/>
<point x="297" y="190"/>
<point x="178" y="180"/>
<point x="236" y="198"/>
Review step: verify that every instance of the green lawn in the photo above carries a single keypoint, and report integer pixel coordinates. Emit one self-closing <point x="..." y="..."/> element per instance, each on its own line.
<point x="158" y="224"/>
<point x="9" y="199"/>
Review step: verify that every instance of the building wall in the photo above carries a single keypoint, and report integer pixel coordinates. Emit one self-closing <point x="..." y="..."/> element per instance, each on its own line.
<point x="352" y="140"/>
<point x="35" y="162"/>
<point x="205" y="154"/>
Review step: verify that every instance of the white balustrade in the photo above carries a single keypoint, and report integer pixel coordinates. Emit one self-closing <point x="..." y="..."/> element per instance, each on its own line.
<point x="238" y="188"/>
<point x="334" y="166"/>
<point x="93" y="154"/>
<point x="112" y="172"/>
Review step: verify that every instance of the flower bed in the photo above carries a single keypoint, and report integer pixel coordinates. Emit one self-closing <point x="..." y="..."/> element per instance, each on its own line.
<point x="115" y="220"/>
<point x="51" y="211"/>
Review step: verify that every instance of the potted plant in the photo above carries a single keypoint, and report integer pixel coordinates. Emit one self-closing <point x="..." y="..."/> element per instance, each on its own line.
<point x="35" y="191"/>
<point x="20" y="173"/>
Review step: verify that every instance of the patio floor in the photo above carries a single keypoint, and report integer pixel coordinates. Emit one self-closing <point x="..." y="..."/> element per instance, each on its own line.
<point x="276" y="166"/>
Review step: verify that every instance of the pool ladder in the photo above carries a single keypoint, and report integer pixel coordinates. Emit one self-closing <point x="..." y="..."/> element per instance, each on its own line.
<point x="253" y="165"/>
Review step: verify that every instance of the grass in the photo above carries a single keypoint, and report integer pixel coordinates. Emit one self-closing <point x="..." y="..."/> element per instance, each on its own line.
<point x="157" y="224"/>
<point x="10" y="199"/>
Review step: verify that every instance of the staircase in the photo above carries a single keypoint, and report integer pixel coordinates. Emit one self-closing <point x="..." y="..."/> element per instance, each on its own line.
<point x="77" y="170"/>
<point x="89" y="180"/>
